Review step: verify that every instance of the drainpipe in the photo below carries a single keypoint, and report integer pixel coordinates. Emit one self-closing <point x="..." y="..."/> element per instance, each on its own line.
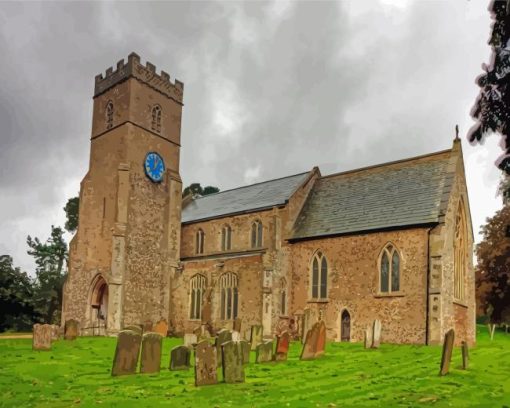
<point x="428" y="290"/>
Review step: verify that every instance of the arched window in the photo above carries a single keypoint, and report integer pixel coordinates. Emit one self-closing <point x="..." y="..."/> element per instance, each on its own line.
<point x="229" y="296"/>
<point x="319" y="276"/>
<point x="197" y="288"/>
<point x="156" y="118"/>
<point x="226" y="238"/>
<point x="256" y="234"/>
<point x="283" y="297"/>
<point x="199" y="245"/>
<point x="109" y="115"/>
<point x="459" y="254"/>
<point x="389" y="272"/>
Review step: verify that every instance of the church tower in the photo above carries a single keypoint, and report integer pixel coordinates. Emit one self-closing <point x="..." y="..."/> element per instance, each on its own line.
<point x="127" y="246"/>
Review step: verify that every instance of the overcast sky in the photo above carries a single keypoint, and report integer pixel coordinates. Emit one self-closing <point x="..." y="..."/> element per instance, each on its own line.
<point x="270" y="89"/>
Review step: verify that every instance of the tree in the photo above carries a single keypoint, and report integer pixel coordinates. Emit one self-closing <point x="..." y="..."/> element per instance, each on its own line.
<point x="195" y="189"/>
<point x="16" y="292"/>
<point x="493" y="269"/>
<point x="492" y="107"/>
<point x="51" y="260"/>
<point x="72" y="211"/>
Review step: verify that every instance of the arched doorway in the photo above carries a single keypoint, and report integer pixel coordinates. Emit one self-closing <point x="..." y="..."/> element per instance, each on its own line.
<point x="345" y="326"/>
<point x="99" y="305"/>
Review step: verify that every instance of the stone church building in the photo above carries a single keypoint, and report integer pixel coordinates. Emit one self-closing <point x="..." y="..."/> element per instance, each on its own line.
<point x="392" y="242"/>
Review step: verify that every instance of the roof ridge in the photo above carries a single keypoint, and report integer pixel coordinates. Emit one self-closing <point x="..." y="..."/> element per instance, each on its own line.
<point x="251" y="185"/>
<point x="386" y="163"/>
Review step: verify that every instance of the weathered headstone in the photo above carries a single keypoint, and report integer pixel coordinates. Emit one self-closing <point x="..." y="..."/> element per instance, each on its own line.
<point x="368" y="338"/>
<point x="237" y="324"/>
<point x="306" y="325"/>
<point x="179" y="358"/>
<point x="236" y="336"/>
<point x="376" y="341"/>
<point x="161" y="327"/>
<point x="71" y="329"/>
<point x="41" y="338"/>
<point x="205" y="364"/>
<point x="264" y="352"/>
<point x="55" y="332"/>
<point x="246" y="348"/>
<point x="255" y="336"/>
<point x="320" y="348"/>
<point x="282" y="346"/>
<point x="150" y="360"/>
<point x="125" y="360"/>
<point x="315" y="342"/>
<point x="465" y="355"/>
<point x="137" y="329"/>
<point x="232" y="362"/>
<point x="147" y="326"/>
<point x="446" y="356"/>
<point x="190" y="339"/>
<point x="222" y="337"/>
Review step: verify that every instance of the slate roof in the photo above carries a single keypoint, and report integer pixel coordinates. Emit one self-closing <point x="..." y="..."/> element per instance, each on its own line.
<point x="404" y="193"/>
<point x="243" y="199"/>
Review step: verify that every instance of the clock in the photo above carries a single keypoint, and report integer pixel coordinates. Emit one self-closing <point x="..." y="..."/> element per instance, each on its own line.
<point x="154" y="167"/>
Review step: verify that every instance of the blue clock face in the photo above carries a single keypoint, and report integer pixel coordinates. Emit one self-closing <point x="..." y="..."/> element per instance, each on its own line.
<point x="154" y="166"/>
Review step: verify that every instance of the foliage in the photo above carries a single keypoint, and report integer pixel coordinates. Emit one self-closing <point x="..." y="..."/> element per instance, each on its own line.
<point x="72" y="212"/>
<point x="51" y="264"/>
<point x="16" y="292"/>
<point x="492" y="107"/>
<point x="493" y="269"/>
<point x="197" y="190"/>
<point x="78" y="374"/>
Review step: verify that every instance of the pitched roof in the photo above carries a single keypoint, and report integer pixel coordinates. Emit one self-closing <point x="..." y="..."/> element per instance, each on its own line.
<point x="243" y="199"/>
<point x="404" y="193"/>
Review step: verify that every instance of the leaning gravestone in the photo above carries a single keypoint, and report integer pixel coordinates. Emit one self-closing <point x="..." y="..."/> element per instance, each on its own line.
<point x="190" y="339"/>
<point x="264" y="352"/>
<point x="320" y="347"/>
<point x="232" y="362"/>
<point x="368" y="338"/>
<point x="282" y="346"/>
<point x="137" y="329"/>
<point x="246" y="348"/>
<point x="205" y="364"/>
<point x="376" y="342"/>
<point x="446" y="357"/>
<point x="307" y="324"/>
<point x="222" y="337"/>
<point x="179" y="358"/>
<point x="150" y="360"/>
<point x="71" y="329"/>
<point x="41" y="339"/>
<point x="310" y="346"/>
<point x="161" y="327"/>
<point x="237" y="325"/>
<point x="255" y="336"/>
<point x="125" y="360"/>
<point x="465" y="355"/>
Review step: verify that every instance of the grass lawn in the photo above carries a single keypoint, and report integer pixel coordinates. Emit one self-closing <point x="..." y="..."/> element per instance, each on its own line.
<point x="77" y="373"/>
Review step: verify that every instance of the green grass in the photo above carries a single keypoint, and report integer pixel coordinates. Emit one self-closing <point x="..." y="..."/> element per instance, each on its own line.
<point x="77" y="373"/>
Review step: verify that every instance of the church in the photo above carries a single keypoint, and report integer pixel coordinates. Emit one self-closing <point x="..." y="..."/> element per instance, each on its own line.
<point x="392" y="241"/>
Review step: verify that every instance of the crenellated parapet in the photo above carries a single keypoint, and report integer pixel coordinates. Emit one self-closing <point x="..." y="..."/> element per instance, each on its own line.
<point x="144" y="73"/>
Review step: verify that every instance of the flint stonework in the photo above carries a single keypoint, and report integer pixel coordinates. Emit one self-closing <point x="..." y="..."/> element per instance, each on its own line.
<point x="42" y="336"/>
<point x="446" y="357"/>
<point x="180" y="358"/>
<point x="205" y="364"/>
<point x="125" y="360"/>
<point x="232" y="362"/>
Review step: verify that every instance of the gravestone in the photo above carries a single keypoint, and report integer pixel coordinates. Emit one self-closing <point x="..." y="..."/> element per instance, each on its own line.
<point x="221" y="337"/>
<point x="306" y="325"/>
<point x="446" y="357"/>
<point x="320" y="348"/>
<point x="465" y="355"/>
<point x="264" y="352"/>
<point x="205" y="364"/>
<point x="71" y="329"/>
<point x="161" y="327"/>
<point x="368" y="338"/>
<point x="376" y="340"/>
<point x="237" y="324"/>
<point x="150" y="359"/>
<point x="137" y="329"/>
<point x="147" y="326"/>
<point x="315" y="342"/>
<point x="255" y="336"/>
<point x="190" y="339"/>
<point x="179" y="358"/>
<point x="125" y="360"/>
<point x="236" y="336"/>
<point x="41" y="338"/>
<point x="246" y="348"/>
<point x="232" y="362"/>
<point x="55" y="332"/>
<point x="282" y="346"/>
